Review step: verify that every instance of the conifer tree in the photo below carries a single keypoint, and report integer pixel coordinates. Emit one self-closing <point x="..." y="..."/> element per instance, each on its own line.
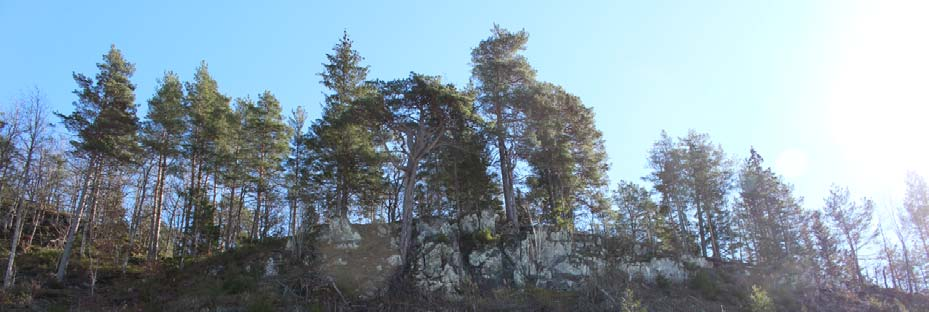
<point x="457" y="173"/>
<point x="105" y="125"/>
<point x="667" y="176"/>
<point x="827" y="252"/>
<point x="771" y="215"/>
<point x="916" y="205"/>
<point x="418" y="111"/>
<point x="162" y="132"/>
<point x="853" y="221"/>
<point x="565" y="151"/>
<point x="267" y="140"/>
<point x="207" y="127"/>
<point x="347" y="160"/>
<point x="637" y="214"/>
<point x="707" y="178"/>
<point x="499" y="72"/>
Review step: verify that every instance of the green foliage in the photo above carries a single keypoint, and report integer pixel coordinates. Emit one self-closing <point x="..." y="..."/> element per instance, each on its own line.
<point x="693" y="177"/>
<point x="164" y="125"/>
<point x="104" y="118"/>
<point x="485" y="236"/>
<point x="480" y="237"/>
<point x="770" y="213"/>
<point x="441" y="238"/>
<point x="237" y="284"/>
<point x="705" y="283"/>
<point x="499" y="72"/>
<point x="662" y="281"/>
<point x="760" y="302"/>
<point x="456" y="176"/>
<point x="345" y="162"/>
<point x="565" y="151"/>
<point x="631" y="303"/>
<point x="636" y="215"/>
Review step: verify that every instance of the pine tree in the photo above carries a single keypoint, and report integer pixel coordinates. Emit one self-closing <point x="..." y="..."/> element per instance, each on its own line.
<point x="637" y="214"/>
<point x="267" y="140"/>
<point x="827" y="252"/>
<point x="457" y="171"/>
<point x="500" y="71"/>
<point x="237" y="161"/>
<point x="163" y="131"/>
<point x="565" y="152"/>
<point x="105" y="124"/>
<point x="853" y="221"/>
<point x="771" y="215"/>
<point x="667" y="176"/>
<point x="916" y="205"/>
<point x="207" y="127"/>
<point x="418" y="111"/>
<point x="707" y="177"/>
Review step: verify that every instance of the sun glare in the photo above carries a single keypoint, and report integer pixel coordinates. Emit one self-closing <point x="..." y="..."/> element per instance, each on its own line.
<point x="878" y="102"/>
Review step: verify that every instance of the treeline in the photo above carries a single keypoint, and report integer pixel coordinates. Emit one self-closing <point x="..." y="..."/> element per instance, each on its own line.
<point x="202" y="172"/>
<point x="707" y="204"/>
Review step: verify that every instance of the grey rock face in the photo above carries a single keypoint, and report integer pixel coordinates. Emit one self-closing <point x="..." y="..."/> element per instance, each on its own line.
<point x="340" y="235"/>
<point x="484" y="219"/>
<point x="448" y="256"/>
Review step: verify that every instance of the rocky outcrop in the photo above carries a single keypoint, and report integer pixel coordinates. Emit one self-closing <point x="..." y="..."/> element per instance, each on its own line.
<point x="450" y="256"/>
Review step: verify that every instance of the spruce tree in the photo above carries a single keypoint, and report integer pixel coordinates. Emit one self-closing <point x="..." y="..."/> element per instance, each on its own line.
<point x="347" y="161"/>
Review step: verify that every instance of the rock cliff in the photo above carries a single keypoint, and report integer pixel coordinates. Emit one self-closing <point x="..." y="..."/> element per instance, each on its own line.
<point x="453" y="256"/>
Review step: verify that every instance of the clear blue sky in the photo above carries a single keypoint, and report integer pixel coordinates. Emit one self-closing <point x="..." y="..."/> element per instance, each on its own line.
<point x="827" y="91"/>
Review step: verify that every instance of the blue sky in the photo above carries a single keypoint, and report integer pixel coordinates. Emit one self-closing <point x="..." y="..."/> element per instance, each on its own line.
<point x="827" y="91"/>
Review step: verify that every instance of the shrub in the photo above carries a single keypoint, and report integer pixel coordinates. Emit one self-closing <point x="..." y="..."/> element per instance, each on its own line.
<point x="441" y="238"/>
<point x="237" y="284"/>
<point x="631" y="303"/>
<point x="662" y="282"/>
<point x="480" y="237"/>
<point x="485" y="236"/>
<point x="706" y="284"/>
<point x="761" y="302"/>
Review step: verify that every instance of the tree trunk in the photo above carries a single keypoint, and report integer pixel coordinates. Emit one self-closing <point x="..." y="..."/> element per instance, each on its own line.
<point x="37" y="219"/>
<point x="20" y="213"/>
<point x="406" y="230"/>
<point x="230" y="226"/>
<point x="256" y="219"/>
<point x="156" y="209"/>
<point x="136" y="215"/>
<point x="92" y="174"/>
<point x="714" y="239"/>
<point x="506" y="174"/>
<point x="87" y="234"/>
